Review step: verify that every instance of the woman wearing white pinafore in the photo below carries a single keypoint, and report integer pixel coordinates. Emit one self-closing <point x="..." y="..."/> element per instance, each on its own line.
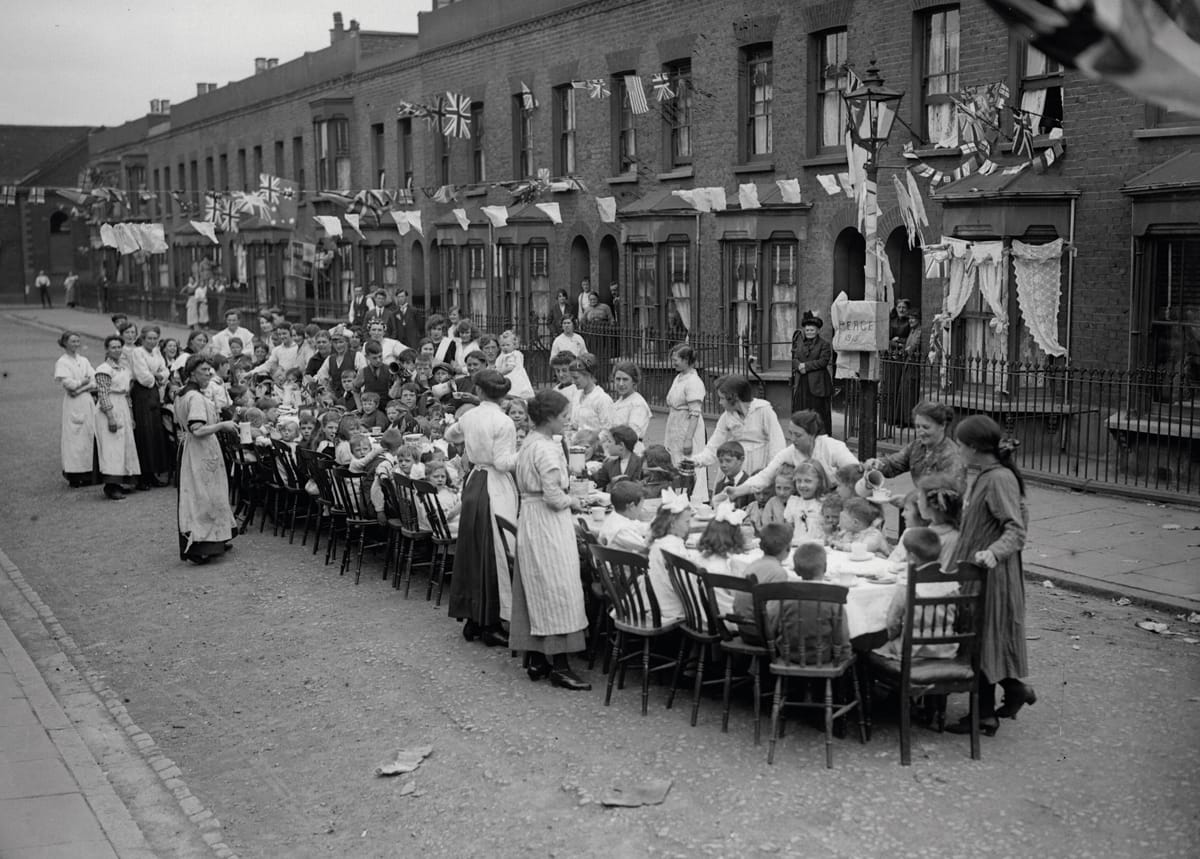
<point x="114" y="421"/>
<point x="684" y="399"/>
<point x="74" y="372"/>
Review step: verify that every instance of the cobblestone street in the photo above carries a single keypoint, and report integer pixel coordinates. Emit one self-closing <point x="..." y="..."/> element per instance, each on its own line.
<point x="277" y="687"/>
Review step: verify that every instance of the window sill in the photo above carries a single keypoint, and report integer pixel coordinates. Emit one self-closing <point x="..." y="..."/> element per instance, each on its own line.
<point x="684" y="172"/>
<point x="754" y="167"/>
<point x="623" y="179"/>
<point x="475" y="192"/>
<point x="825" y="160"/>
<point x="1042" y="141"/>
<point x="938" y="152"/>
<point x="1167" y="131"/>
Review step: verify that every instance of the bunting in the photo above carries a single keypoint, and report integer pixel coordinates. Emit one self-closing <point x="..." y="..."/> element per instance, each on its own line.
<point x="748" y="196"/>
<point x="661" y="82"/>
<point x="606" y="207"/>
<point x="219" y="210"/>
<point x="528" y="103"/>
<point x="330" y="224"/>
<point x="204" y="228"/>
<point x="552" y="211"/>
<point x="464" y="221"/>
<point x="789" y="190"/>
<point x="636" y="94"/>
<point x="1022" y="134"/>
<point x="353" y="220"/>
<point x="497" y="215"/>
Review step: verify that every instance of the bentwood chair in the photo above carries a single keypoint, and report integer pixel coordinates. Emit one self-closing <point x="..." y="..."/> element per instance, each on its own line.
<point x="412" y="535"/>
<point x="699" y="625"/>
<point x="953" y="617"/>
<point x="351" y="491"/>
<point x="636" y="614"/>
<point x="306" y="467"/>
<point x="811" y="645"/>
<point x="749" y="642"/>
<point x="440" y="537"/>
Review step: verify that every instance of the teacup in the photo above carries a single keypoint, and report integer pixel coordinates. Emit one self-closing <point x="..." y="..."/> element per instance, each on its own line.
<point x="598" y="514"/>
<point x="858" y="552"/>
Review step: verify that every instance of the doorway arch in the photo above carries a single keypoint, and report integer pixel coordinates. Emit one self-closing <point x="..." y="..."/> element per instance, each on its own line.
<point x="908" y="267"/>
<point x="581" y="264"/>
<point x="849" y="264"/>
<point x="418" y="288"/>
<point x="610" y="269"/>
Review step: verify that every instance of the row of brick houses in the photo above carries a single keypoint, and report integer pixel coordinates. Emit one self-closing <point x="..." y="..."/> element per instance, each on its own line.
<point x="754" y="99"/>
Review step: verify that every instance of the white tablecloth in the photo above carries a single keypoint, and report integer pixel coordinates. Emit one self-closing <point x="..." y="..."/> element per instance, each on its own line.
<point x="866" y="603"/>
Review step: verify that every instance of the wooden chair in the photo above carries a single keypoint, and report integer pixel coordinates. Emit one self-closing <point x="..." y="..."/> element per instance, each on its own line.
<point x="733" y="645"/>
<point x="699" y="625"/>
<point x="412" y="534"/>
<point x="331" y="510"/>
<point x="937" y="620"/>
<point x="600" y="629"/>
<point x="508" y="542"/>
<point x="810" y="644"/>
<point x="306" y="466"/>
<point x="626" y="582"/>
<point x="287" y="465"/>
<point x="351" y="491"/>
<point x="440" y="537"/>
<point x="393" y="545"/>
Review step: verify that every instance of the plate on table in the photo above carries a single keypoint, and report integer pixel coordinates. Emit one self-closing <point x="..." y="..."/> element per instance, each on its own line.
<point x="880" y="578"/>
<point x="860" y="560"/>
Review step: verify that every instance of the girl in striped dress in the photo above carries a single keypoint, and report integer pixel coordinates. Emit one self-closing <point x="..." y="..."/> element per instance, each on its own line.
<point x="548" y="616"/>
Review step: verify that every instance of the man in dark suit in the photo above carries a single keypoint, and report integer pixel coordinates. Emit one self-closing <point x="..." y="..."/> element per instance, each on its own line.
<point x="731" y="456"/>
<point x="404" y="322"/>
<point x="359" y="306"/>
<point x="621" y="461"/>
<point x="379" y="311"/>
<point x="812" y="387"/>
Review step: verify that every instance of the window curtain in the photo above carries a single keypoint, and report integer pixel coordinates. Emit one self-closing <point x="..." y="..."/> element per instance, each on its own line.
<point x="1038" y="271"/>
<point x="683" y="303"/>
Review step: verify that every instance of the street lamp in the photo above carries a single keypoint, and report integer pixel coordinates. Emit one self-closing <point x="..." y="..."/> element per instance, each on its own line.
<point x="872" y="111"/>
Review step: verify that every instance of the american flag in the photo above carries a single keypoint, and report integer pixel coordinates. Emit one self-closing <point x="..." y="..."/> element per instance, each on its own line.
<point x="456" y="120"/>
<point x="636" y="94"/>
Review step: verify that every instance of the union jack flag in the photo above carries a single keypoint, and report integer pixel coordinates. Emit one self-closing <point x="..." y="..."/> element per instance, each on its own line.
<point x="661" y="81"/>
<point x="528" y="102"/>
<point x="220" y="209"/>
<point x="456" y="117"/>
<point x="272" y="189"/>
<point x="1022" y="134"/>
<point x="598" y="88"/>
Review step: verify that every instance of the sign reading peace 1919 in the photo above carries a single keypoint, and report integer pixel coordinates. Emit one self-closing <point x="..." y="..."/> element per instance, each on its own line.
<point x="859" y="326"/>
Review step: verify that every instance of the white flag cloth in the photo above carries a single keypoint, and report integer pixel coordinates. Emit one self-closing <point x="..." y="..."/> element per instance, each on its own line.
<point x="414" y="220"/>
<point x="552" y="211"/>
<point x="696" y="198"/>
<point x="748" y="196"/>
<point x="330" y="224"/>
<point x="789" y="189"/>
<point x="829" y="183"/>
<point x="108" y="237"/>
<point x="716" y="198"/>
<point x="460" y="215"/>
<point x="607" y="207"/>
<point x="353" y="219"/>
<point x="156" y="238"/>
<point x="498" y="215"/>
<point x="205" y="228"/>
<point x="847" y="185"/>
<point x="401" y="221"/>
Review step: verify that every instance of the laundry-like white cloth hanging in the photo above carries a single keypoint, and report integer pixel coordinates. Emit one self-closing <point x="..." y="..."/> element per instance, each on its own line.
<point x="1039" y="280"/>
<point x="496" y="215"/>
<point x="330" y="224"/>
<point x="607" y="207"/>
<point x="553" y="211"/>
<point x="748" y="196"/>
<point x="460" y="215"/>
<point x="789" y="189"/>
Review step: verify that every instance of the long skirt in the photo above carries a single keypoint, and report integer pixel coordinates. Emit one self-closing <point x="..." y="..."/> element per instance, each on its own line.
<point x="153" y="452"/>
<point x="803" y="398"/>
<point x="118" y="453"/>
<point x="78" y="437"/>
<point x="481" y="588"/>
<point x="548" y="613"/>
<point x="674" y="438"/>
<point x="205" y="516"/>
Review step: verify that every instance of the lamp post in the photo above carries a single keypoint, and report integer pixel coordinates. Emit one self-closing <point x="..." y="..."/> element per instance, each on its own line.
<point x="872" y="110"/>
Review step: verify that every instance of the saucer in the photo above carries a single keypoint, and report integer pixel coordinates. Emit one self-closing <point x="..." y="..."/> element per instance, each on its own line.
<point x="861" y="559"/>
<point x="880" y="498"/>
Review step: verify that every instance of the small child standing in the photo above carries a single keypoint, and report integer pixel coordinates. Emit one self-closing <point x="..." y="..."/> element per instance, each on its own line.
<point x="804" y="508"/>
<point x="511" y="363"/>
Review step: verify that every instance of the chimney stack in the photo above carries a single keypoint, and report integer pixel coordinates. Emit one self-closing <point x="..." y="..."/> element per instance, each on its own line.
<point x="272" y="62"/>
<point x="212" y="87"/>
<point x="201" y="88"/>
<point x="353" y="25"/>
<point x="155" y="105"/>
<point x="338" y="31"/>
<point x="260" y="65"/>
<point x="164" y="105"/>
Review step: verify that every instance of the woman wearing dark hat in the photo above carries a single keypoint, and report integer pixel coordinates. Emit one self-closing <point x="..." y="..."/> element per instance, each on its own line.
<point x="812" y="387"/>
<point x="481" y="591"/>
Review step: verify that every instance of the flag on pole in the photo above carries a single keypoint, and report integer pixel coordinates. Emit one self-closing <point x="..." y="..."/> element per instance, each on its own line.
<point x="636" y="94"/>
<point x="456" y="116"/>
<point x="1022" y="134"/>
<point x="528" y="102"/>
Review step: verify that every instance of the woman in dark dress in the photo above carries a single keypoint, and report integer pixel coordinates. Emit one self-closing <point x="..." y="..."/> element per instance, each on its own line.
<point x="150" y="375"/>
<point x="812" y="388"/>
<point x="992" y="535"/>
<point x="481" y="590"/>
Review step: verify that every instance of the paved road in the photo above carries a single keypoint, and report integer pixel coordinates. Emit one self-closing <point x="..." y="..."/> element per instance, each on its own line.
<point x="277" y="687"/>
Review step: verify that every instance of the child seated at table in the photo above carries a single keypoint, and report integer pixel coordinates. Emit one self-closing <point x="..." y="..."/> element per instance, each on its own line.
<point x="621" y="528"/>
<point x="721" y="539"/>
<point x="859" y="523"/>
<point x="438" y="473"/>
<point x="658" y="472"/>
<point x="812" y="632"/>
<point x="400" y="417"/>
<point x="668" y="532"/>
<point x="382" y="465"/>
<point x="620" y="460"/>
<point x="831" y="513"/>
<point x="776" y="510"/>
<point x="754" y="510"/>
<point x="846" y="478"/>
<point x="924" y="547"/>
<point x="775" y="540"/>
<point x="408" y="462"/>
<point x="347" y="427"/>
<point x="369" y="416"/>
<point x="291" y="397"/>
<point x="804" y="508"/>
<point x="327" y="438"/>
<point x="731" y="456"/>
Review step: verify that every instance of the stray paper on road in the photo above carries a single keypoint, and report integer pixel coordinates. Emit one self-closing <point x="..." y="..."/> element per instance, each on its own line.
<point x="652" y="792"/>
<point x="406" y="761"/>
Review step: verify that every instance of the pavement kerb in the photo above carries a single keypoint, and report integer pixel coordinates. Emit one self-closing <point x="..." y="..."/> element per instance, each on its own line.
<point x="113" y="815"/>
<point x="1038" y="572"/>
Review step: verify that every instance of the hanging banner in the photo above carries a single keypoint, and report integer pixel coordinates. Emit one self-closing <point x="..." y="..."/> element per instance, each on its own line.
<point x="301" y="257"/>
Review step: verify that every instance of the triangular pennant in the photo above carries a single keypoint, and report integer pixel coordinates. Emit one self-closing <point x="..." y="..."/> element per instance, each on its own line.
<point x="551" y="210"/>
<point x="353" y="220"/>
<point x="204" y="228"/>
<point x="460" y="215"/>
<point x="330" y="224"/>
<point x="497" y="215"/>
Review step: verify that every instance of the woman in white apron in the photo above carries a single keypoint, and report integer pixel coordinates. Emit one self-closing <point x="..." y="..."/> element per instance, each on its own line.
<point x="74" y="372"/>
<point x="114" y="421"/>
